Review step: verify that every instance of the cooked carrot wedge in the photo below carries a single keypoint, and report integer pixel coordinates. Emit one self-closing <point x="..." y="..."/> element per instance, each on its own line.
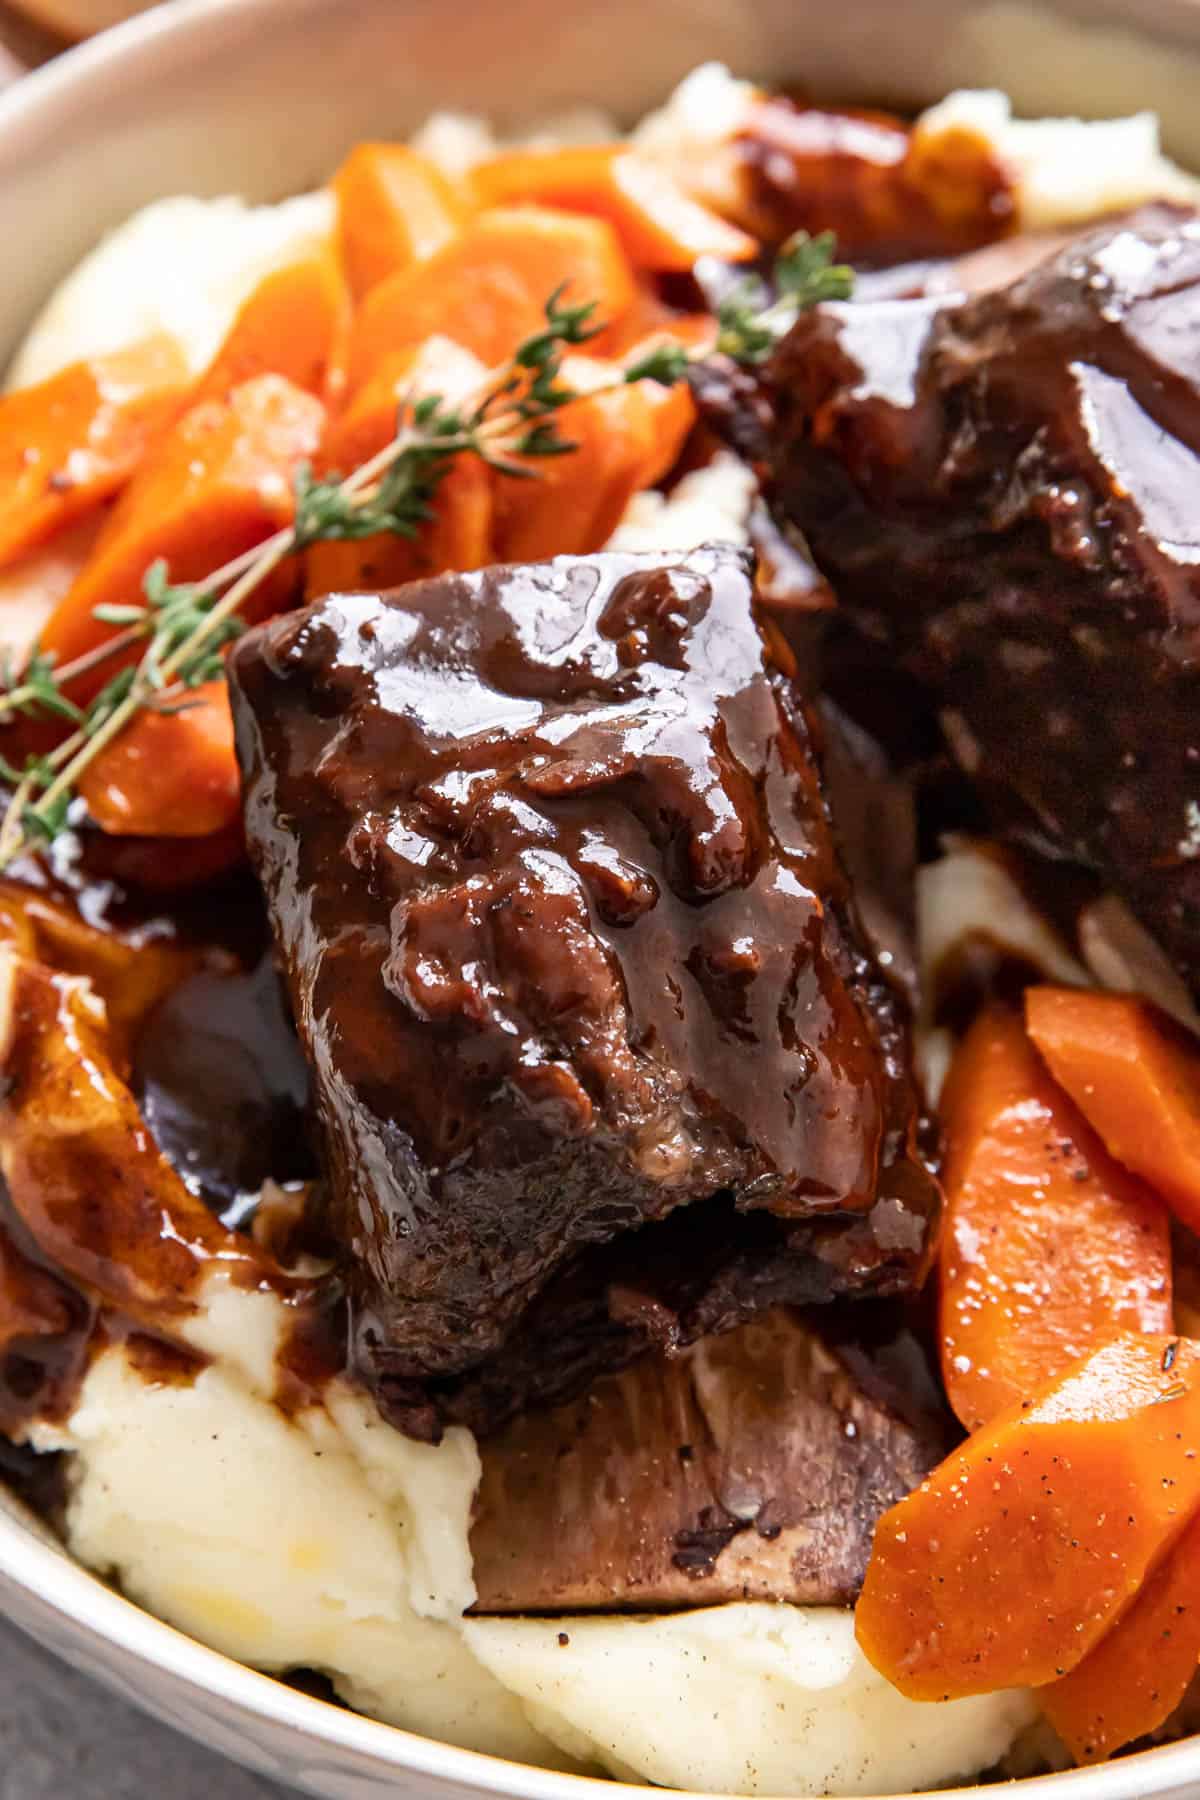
<point x="672" y="415"/>
<point x="218" y="483"/>
<point x="1135" y="1075"/>
<point x="1139" y="1672"/>
<point x="436" y="366"/>
<point x="569" y="505"/>
<point x="487" y="289"/>
<point x="72" y="441"/>
<point x="458" y="535"/>
<point x="394" y="208"/>
<point x="169" y="774"/>
<point x="624" y="440"/>
<point x="661" y="227"/>
<point x="291" y="325"/>
<point x="1050" y="1247"/>
<point x="648" y="320"/>
<point x="1008" y="1565"/>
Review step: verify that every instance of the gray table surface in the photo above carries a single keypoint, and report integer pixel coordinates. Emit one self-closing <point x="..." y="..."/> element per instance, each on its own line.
<point x="64" y="1738"/>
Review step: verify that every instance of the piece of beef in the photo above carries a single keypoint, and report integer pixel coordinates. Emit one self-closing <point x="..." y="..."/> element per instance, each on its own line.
<point x="1001" y="492"/>
<point x="599" y="1055"/>
<point x="752" y="1466"/>
<point x="887" y="190"/>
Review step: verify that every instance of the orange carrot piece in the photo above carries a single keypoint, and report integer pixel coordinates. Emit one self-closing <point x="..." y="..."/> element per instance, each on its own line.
<point x="394" y="208"/>
<point x="1135" y="1075"/>
<point x="661" y="227"/>
<point x="488" y="288"/>
<point x="170" y="774"/>
<point x="672" y="415"/>
<point x="573" y="503"/>
<point x="458" y="535"/>
<point x="1050" y="1247"/>
<point x="218" y="483"/>
<point x="1008" y="1565"/>
<point x="649" y="318"/>
<point x="291" y="326"/>
<point x="72" y="441"/>
<point x="1139" y="1672"/>
<point x="368" y="422"/>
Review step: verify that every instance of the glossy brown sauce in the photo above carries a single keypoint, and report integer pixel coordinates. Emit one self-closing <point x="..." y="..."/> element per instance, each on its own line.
<point x="109" y="1209"/>
<point x="547" y="857"/>
<point x="888" y="196"/>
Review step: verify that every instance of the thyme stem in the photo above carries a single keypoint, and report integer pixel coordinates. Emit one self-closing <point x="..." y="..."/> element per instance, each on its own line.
<point x="512" y="419"/>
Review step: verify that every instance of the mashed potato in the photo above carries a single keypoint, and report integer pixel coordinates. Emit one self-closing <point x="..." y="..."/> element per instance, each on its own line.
<point x="1067" y="171"/>
<point x="330" y="1541"/>
<point x="746" y="1699"/>
<point x="180" y="266"/>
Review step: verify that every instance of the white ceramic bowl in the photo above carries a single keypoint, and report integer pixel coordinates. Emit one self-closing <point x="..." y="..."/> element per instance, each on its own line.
<point x="261" y="97"/>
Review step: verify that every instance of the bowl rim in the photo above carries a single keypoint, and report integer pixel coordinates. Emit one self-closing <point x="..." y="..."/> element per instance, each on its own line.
<point x="72" y="1595"/>
<point x="61" y="1596"/>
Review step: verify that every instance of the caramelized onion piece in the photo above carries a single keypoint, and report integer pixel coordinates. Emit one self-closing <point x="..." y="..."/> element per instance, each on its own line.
<point x="85" y="1180"/>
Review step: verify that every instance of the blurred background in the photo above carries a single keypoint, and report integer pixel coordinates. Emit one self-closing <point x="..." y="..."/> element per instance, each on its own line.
<point x="31" y="31"/>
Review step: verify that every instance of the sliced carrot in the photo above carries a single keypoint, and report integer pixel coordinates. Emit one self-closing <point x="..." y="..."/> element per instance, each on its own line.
<point x="218" y="483"/>
<point x="291" y="326"/>
<point x="661" y="227"/>
<point x="170" y="774"/>
<point x="1008" y="1565"/>
<point x="1139" y="1672"/>
<point x="1050" y="1247"/>
<point x="72" y="441"/>
<point x="650" y="320"/>
<point x="458" y="534"/>
<point x="394" y="208"/>
<point x="672" y="415"/>
<point x="436" y="366"/>
<point x="1135" y="1075"/>
<point x="488" y="288"/>
<point x="570" y="504"/>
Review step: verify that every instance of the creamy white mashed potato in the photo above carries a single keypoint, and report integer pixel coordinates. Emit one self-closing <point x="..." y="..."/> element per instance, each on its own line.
<point x="744" y="1699"/>
<point x="713" y="502"/>
<point x="181" y="266"/>
<point x="1066" y="171"/>
<point x="325" y="1541"/>
<point x="328" y="1540"/>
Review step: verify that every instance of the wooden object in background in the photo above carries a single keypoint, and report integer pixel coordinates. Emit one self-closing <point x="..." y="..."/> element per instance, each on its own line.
<point x="23" y="44"/>
<point x="72" y="19"/>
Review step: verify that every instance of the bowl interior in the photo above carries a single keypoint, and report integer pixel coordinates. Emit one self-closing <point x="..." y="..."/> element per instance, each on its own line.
<point x="260" y="97"/>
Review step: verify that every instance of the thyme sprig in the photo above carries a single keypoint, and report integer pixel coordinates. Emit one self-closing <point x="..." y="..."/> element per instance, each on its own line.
<point x="183" y="627"/>
<point x="750" y="323"/>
